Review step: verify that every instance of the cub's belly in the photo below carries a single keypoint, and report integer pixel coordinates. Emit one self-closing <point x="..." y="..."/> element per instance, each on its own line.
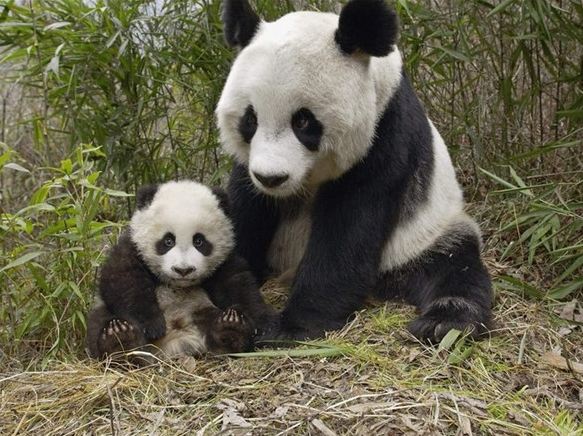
<point x="183" y="337"/>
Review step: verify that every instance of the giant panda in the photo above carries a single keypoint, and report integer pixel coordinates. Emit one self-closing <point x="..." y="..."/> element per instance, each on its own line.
<point x="172" y="283"/>
<point x="340" y="180"/>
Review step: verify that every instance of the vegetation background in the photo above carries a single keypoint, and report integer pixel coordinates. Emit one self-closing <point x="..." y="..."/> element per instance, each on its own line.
<point x="98" y="97"/>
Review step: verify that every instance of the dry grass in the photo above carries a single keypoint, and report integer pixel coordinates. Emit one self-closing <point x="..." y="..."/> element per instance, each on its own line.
<point x="377" y="381"/>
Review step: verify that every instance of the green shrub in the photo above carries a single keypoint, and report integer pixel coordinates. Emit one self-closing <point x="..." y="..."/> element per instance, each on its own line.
<point x="51" y="249"/>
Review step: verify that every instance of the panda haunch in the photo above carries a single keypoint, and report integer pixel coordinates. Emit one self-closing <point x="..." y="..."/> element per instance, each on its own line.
<point x="340" y="177"/>
<point x="172" y="280"/>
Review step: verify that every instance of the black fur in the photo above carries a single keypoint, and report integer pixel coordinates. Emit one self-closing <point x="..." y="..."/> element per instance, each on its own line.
<point x="255" y="217"/>
<point x="307" y="128"/>
<point x="240" y="22"/>
<point x="248" y="124"/>
<point x="223" y="198"/>
<point x="368" y="26"/>
<point x="234" y="284"/>
<point x="352" y="218"/>
<point x="165" y="244"/>
<point x="127" y="287"/>
<point x="450" y="286"/>
<point x="145" y="195"/>
<point x="202" y="244"/>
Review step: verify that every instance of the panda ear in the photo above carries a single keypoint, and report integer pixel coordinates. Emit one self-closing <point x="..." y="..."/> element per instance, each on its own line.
<point x="367" y="26"/>
<point x="223" y="198"/>
<point x="240" y="22"/>
<point x="145" y="195"/>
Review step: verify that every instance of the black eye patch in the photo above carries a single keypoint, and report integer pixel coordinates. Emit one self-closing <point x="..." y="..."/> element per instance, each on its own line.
<point x="307" y="128"/>
<point x="202" y="244"/>
<point x="248" y="124"/>
<point x="165" y="244"/>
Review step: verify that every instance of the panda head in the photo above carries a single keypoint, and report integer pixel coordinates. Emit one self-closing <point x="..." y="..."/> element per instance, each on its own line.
<point x="303" y="96"/>
<point x="182" y="231"/>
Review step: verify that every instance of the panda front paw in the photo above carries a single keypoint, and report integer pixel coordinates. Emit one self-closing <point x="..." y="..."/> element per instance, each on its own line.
<point x="119" y="335"/>
<point x="279" y="333"/>
<point x="448" y="313"/>
<point x="231" y="332"/>
<point x="154" y="326"/>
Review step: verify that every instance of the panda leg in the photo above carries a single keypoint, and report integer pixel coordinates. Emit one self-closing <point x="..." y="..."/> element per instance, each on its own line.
<point x="451" y="288"/>
<point x="108" y="334"/>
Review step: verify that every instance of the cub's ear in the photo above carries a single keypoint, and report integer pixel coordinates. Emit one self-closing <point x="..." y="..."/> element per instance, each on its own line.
<point x="145" y="195"/>
<point x="240" y="22"/>
<point x="367" y="26"/>
<point x="223" y="198"/>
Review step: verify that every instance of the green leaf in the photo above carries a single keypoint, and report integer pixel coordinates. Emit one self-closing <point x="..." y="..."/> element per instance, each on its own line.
<point x="22" y="260"/>
<point x="16" y="167"/>
<point x="449" y="339"/>
<point x="565" y="291"/>
<point x="500" y="7"/>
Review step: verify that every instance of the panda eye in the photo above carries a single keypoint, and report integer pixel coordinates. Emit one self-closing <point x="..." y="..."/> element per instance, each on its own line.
<point x="169" y="240"/>
<point x="300" y="121"/>
<point x="198" y="240"/>
<point x="307" y="128"/>
<point x="248" y="124"/>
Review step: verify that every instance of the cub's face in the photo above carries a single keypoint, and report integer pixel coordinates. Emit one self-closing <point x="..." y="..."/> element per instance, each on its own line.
<point x="296" y="110"/>
<point x="182" y="234"/>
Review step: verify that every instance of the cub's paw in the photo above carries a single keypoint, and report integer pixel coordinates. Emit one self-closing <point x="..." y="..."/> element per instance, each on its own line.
<point x="231" y="332"/>
<point x="448" y="313"/>
<point x="119" y="335"/>
<point x="154" y="326"/>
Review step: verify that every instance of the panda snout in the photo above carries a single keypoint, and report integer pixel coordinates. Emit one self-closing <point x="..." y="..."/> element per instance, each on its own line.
<point x="271" y="181"/>
<point x="183" y="271"/>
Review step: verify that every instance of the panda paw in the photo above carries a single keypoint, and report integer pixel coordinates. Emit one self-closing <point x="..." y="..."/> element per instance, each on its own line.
<point x="119" y="335"/>
<point x="231" y="332"/>
<point x="278" y="333"/>
<point x="154" y="326"/>
<point x="448" y="313"/>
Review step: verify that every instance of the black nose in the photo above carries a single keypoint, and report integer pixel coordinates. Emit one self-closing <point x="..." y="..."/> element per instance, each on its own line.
<point x="271" y="181"/>
<point x="182" y="271"/>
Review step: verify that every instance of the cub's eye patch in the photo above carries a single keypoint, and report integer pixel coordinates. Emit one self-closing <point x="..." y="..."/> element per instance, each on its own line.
<point x="202" y="244"/>
<point x="165" y="244"/>
<point x="248" y="124"/>
<point x="307" y="128"/>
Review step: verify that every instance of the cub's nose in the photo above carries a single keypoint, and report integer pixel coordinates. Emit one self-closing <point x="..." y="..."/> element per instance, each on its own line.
<point x="271" y="181"/>
<point x="182" y="271"/>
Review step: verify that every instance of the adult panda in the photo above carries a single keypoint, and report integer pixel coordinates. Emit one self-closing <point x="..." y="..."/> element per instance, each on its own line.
<point x="340" y="178"/>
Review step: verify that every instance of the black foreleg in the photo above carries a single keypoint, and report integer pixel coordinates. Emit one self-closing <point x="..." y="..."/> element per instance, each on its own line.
<point x="255" y="217"/>
<point x="350" y="222"/>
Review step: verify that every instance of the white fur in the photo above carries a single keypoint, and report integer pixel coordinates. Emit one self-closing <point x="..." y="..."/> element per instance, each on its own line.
<point x="182" y="208"/>
<point x="179" y="306"/>
<point x="443" y="208"/>
<point x="292" y="63"/>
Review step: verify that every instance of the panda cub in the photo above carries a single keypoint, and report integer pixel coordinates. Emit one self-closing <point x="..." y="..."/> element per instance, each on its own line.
<point x="173" y="281"/>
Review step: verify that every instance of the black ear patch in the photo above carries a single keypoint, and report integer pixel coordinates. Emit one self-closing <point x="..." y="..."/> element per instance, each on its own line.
<point x="240" y="22"/>
<point x="369" y="26"/>
<point x="145" y="195"/>
<point x="223" y="198"/>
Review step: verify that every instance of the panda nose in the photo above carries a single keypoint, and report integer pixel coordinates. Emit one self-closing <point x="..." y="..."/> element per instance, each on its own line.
<point x="182" y="271"/>
<point x="271" y="181"/>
